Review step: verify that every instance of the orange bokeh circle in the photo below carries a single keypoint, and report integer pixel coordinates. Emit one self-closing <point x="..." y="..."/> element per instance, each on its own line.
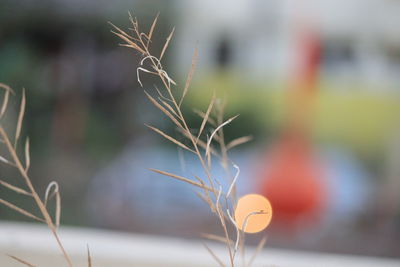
<point x="253" y="212"/>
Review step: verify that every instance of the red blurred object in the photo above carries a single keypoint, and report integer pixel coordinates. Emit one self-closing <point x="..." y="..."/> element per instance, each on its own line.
<point x="292" y="182"/>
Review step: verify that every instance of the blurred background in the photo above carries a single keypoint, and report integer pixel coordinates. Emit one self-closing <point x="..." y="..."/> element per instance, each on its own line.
<point x="316" y="83"/>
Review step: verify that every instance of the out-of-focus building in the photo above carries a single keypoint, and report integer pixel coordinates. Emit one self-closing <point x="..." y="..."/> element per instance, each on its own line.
<point x="360" y="38"/>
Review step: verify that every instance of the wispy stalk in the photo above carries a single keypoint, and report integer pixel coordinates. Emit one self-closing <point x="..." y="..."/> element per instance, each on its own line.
<point x="170" y="105"/>
<point x="23" y="169"/>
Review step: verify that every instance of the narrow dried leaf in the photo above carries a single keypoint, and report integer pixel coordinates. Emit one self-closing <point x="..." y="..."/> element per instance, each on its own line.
<point x="20" y="117"/>
<point x="166" y="76"/>
<point x="155" y="62"/>
<point x="27" y="155"/>
<point x="200" y="142"/>
<point x="214" y="256"/>
<point x="218" y="238"/>
<point x="169" y="138"/>
<point x="181" y="157"/>
<point x="7" y="88"/>
<point x="14" y="188"/>
<point x="205" y="119"/>
<point x="237" y="231"/>
<point x="22" y="211"/>
<point x="58" y="209"/>
<point x="160" y="107"/>
<point x="168" y="106"/>
<point x="206" y="200"/>
<point x="202" y="115"/>
<point x="206" y="197"/>
<point x="134" y="21"/>
<point x="239" y="141"/>
<point x="166" y="43"/>
<point x="161" y="95"/>
<point x="89" y="257"/>
<point x="144" y="70"/>
<point x="181" y="179"/>
<point x="50" y="192"/>
<point x="232" y="187"/>
<point x="260" y="246"/>
<point x="121" y="31"/>
<point x="6" y="161"/>
<point x="129" y="46"/>
<point x="129" y="43"/>
<point x="5" y="103"/>
<point x="145" y="36"/>
<point x="153" y="26"/>
<point x="213" y="134"/>
<point x="53" y="190"/>
<point x="246" y="220"/>
<point x="190" y="75"/>
<point x="21" y="260"/>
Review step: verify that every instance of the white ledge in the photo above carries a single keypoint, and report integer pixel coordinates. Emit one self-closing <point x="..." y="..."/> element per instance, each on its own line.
<point x="35" y="244"/>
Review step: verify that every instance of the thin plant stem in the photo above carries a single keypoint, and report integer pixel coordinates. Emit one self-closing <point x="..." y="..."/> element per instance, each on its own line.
<point x="39" y="202"/>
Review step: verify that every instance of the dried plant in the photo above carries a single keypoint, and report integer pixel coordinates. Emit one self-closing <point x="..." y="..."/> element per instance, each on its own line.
<point x="205" y="147"/>
<point x="22" y="166"/>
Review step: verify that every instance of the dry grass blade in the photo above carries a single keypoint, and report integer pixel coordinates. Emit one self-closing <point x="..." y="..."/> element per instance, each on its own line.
<point x="129" y="46"/>
<point x="202" y="115"/>
<point x="218" y="238"/>
<point x="5" y="103"/>
<point x="237" y="230"/>
<point x="214" y="256"/>
<point x="190" y="75"/>
<point x="22" y="211"/>
<point x="160" y="107"/>
<point x="180" y="178"/>
<point x="246" y="220"/>
<point x="129" y="42"/>
<point x="20" y="118"/>
<point x="207" y="200"/>
<point x="200" y="142"/>
<point x="6" y="87"/>
<point x="144" y="37"/>
<point x="152" y="28"/>
<point x="155" y="62"/>
<point x="166" y="76"/>
<point x="27" y="155"/>
<point x="239" y="141"/>
<point x="7" y="93"/>
<point x="134" y="22"/>
<point x="213" y="134"/>
<point x="14" y="188"/>
<point x="144" y="70"/>
<point x="206" y="116"/>
<point x="53" y="190"/>
<point x="260" y="246"/>
<point x="21" y="260"/>
<point x="58" y="209"/>
<point x="234" y="180"/>
<point x="162" y="95"/>
<point x="50" y="192"/>
<point x="212" y="150"/>
<point x="166" y="43"/>
<point x="3" y="159"/>
<point x="89" y="257"/>
<point x="205" y="196"/>
<point x="121" y="31"/>
<point x="168" y="106"/>
<point x="170" y="138"/>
